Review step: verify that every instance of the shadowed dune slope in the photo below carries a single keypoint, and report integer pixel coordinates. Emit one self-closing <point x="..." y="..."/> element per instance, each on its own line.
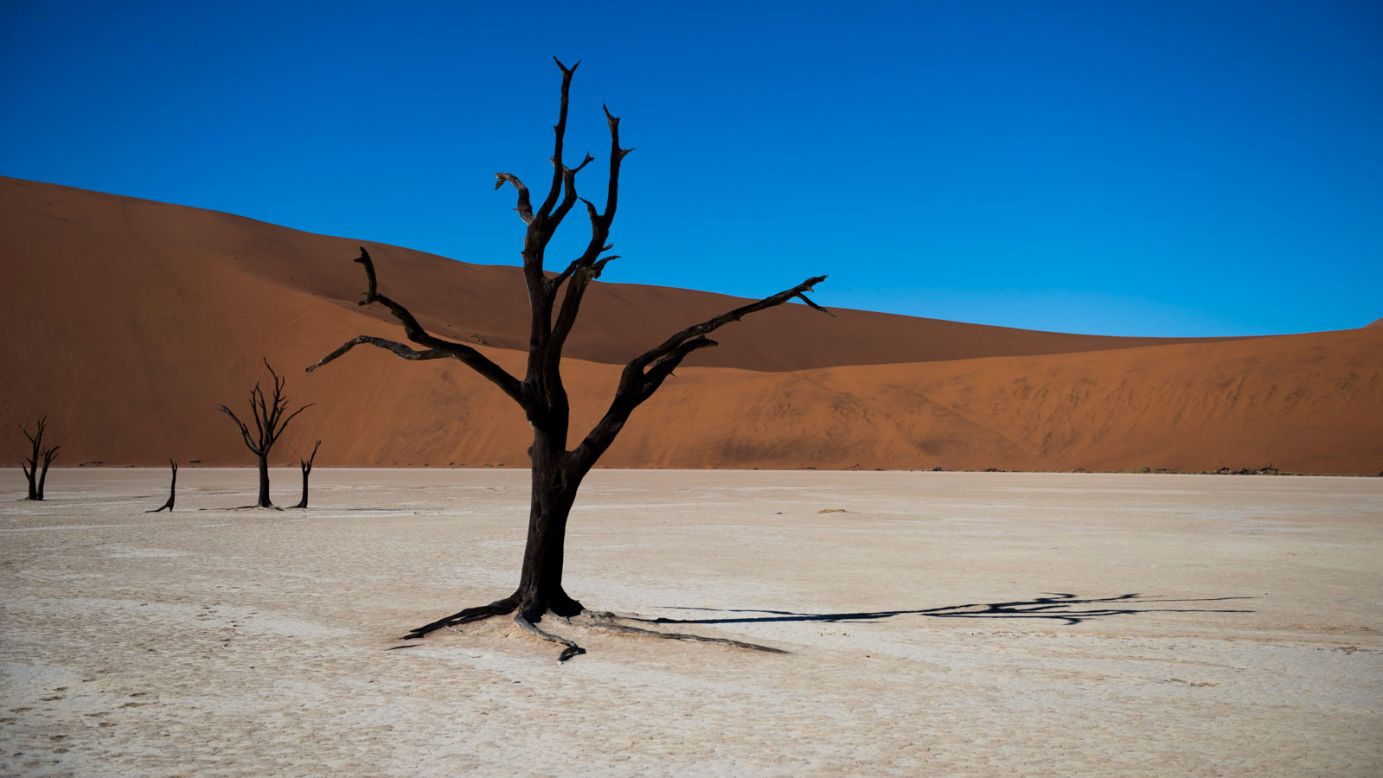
<point x="129" y="321"/>
<point x="488" y="304"/>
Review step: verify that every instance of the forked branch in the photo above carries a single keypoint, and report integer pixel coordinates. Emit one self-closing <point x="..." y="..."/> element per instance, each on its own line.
<point x="306" y="465"/>
<point x="670" y="346"/>
<point x="587" y="267"/>
<point x="644" y="374"/>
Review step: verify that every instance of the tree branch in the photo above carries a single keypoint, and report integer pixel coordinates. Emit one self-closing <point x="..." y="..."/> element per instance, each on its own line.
<point x="581" y="278"/>
<point x="525" y="208"/>
<point x="569" y="199"/>
<point x="645" y="374"/>
<point x="306" y="464"/>
<point x="400" y="349"/>
<point x="415" y="332"/>
<point x="589" y="265"/>
<point x="559" y="131"/>
<point x="258" y="407"/>
<point x="37" y="437"/>
<point x="716" y="322"/>
<point x="244" y="429"/>
<point x="617" y="156"/>
<point x="284" y="425"/>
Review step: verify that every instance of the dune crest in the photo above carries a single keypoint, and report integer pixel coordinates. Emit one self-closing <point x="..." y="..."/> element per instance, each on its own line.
<point x="129" y="321"/>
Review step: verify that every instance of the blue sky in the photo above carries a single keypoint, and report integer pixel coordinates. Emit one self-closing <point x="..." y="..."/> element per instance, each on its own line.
<point x="1161" y="168"/>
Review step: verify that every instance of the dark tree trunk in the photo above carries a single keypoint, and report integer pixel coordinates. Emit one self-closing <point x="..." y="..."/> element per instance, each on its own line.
<point x="43" y="478"/>
<point x="33" y="487"/>
<point x="303" y="502"/>
<point x="553" y="494"/>
<point x="264" y="501"/>
<point x="172" y="490"/>
<point x="306" y="465"/>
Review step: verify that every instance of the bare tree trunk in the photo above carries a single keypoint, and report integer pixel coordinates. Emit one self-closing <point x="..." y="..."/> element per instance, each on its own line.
<point x="172" y="491"/>
<point x="43" y="475"/>
<point x="306" y="465"/>
<point x="264" y="501"/>
<point x="553" y="494"/>
<point x="303" y="502"/>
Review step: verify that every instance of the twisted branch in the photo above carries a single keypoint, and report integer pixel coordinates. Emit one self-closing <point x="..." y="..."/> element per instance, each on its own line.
<point x="436" y="347"/>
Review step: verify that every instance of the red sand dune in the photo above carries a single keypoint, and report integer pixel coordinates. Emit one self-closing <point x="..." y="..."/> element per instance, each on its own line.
<point x="128" y="321"/>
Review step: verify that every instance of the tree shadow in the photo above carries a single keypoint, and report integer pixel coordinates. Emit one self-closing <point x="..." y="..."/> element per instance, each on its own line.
<point x="1056" y="606"/>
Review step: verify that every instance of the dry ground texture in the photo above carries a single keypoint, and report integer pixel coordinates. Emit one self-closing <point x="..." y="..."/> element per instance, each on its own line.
<point x="1248" y="639"/>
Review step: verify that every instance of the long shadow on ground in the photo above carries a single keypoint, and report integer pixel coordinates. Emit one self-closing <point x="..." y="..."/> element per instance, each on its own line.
<point x="1059" y="606"/>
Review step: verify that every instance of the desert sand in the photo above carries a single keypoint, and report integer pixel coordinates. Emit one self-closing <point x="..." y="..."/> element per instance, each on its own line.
<point x="129" y="321"/>
<point x="1202" y="626"/>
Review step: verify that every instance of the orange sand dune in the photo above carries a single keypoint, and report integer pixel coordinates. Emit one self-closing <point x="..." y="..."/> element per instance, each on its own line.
<point x="128" y="321"/>
<point x="488" y="304"/>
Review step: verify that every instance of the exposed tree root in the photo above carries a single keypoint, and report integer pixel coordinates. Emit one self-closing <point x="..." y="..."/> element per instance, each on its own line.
<point x="595" y="619"/>
<point x="568" y="652"/>
<point x="496" y="608"/>
<point x="607" y="621"/>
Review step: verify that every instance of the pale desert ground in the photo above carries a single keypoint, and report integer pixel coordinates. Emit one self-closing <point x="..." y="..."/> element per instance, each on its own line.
<point x="221" y="642"/>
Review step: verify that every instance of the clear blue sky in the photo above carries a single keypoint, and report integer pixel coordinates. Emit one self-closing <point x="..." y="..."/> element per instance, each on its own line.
<point x="1160" y="168"/>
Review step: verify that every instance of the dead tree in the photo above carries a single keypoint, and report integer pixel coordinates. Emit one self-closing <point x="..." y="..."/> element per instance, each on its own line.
<point x="306" y="465"/>
<point x="554" y="300"/>
<point x="40" y="459"/>
<point x="172" y="491"/>
<point x="269" y="423"/>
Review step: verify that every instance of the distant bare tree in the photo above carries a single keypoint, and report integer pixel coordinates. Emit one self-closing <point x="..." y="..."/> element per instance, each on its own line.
<point x="269" y="423"/>
<point x="40" y="459"/>
<point x="557" y="471"/>
<point x="306" y="465"/>
<point x="172" y="491"/>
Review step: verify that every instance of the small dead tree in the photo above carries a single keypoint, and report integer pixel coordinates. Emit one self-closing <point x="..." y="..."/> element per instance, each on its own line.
<point x="269" y="423"/>
<point x="554" y="300"/>
<point x="40" y="459"/>
<point x="172" y="491"/>
<point x="306" y="465"/>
